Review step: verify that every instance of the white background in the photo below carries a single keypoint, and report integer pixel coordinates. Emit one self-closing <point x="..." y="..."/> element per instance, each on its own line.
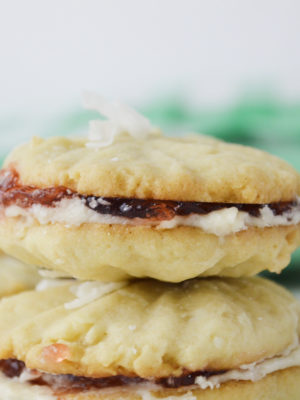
<point x="134" y="50"/>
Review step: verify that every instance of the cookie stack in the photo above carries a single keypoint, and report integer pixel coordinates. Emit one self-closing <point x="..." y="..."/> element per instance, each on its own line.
<point x="148" y="246"/>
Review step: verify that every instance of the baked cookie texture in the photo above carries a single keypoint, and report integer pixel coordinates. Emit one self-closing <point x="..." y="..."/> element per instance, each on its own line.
<point x="116" y="252"/>
<point x="15" y="276"/>
<point x="281" y="385"/>
<point x="195" y="168"/>
<point x="150" y="329"/>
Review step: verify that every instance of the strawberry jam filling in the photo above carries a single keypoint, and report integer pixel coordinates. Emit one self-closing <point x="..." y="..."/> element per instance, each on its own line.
<point x="67" y="383"/>
<point x="13" y="192"/>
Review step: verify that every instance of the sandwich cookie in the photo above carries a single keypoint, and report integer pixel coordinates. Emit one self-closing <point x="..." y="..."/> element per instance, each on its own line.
<point x="212" y="339"/>
<point x="129" y="202"/>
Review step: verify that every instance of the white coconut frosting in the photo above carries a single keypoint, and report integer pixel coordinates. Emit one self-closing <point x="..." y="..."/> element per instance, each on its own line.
<point x="252" y="372"/>
<point x="74" y="212"/>
<point x="45" y="284"/>
<point x="15" y="389"/>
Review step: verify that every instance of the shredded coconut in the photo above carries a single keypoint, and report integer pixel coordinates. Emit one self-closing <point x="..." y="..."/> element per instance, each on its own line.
<point x="48" y="274"/>
<point x="222" y="222"/>
<point x="45" y="284"/>
<point x="132" y="327"/>
<point x="28" y="375"/>
<point x="87" y="292"/>
<point x="93" y="203"/>
<point x="120" y="119"/>
<point x="103" y="202"/>
<point x="230" y="220"/>
<point x="204" y="383"/>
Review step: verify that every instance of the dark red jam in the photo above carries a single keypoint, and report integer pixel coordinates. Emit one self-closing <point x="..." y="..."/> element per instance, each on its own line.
<point x="11" y="368"/>
<point x="70" y="383"/>
<point x="12" y="192"/>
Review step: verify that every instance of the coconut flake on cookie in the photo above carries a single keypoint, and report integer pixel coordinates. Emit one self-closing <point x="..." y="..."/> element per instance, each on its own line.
<point x="120" y="119"/>
<point x="87" y="292"/>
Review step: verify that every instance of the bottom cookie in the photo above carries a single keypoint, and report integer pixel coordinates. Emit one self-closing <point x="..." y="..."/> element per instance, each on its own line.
<point x="204" y="339"/>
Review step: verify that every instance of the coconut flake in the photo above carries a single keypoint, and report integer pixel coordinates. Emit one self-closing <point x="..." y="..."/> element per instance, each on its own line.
<point x="87" y="292"/>
<point x="29" y="375"/>
<point x="120" y="119"/>
<point x="49" y="274"/>
<point x="45" y="284"/>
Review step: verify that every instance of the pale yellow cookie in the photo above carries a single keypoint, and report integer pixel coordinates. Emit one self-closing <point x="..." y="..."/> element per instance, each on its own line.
<point x="210" y="338"/>
<point x="107" y="253"/>
<point x="148" y="328"/>
<point x="15" y="276"/>
<point x="196" y="168"/>
<point x="165" y="208"/>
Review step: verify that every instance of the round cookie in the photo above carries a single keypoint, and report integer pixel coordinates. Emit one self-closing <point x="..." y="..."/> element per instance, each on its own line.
<point x="166" y="208"/>
<point x="150" y="329"/>
<point x="193" y="168"/>
<point x="15" y="276"/>
<point x="202" y="339"/>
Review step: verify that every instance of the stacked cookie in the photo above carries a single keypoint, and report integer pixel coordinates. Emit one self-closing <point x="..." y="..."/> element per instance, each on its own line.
<point x="147" y="245"/>
<point x="15" y="276"/>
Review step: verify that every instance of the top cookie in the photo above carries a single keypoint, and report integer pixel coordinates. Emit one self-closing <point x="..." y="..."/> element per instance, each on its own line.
<point x="148" y="206"/>
<point x="194" y="168"/>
